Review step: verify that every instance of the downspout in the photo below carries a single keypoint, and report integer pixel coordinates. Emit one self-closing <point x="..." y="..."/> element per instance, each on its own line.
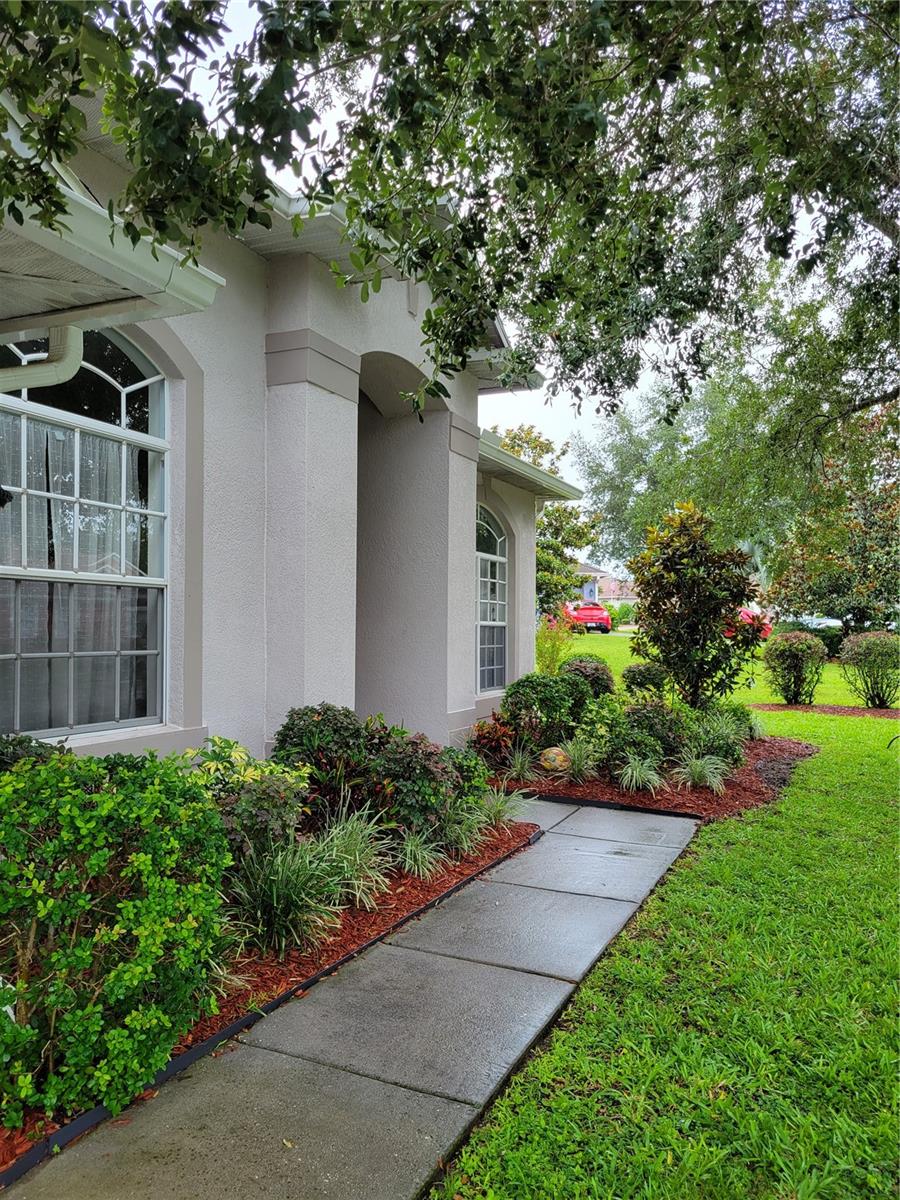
<point x="65" y="351"/>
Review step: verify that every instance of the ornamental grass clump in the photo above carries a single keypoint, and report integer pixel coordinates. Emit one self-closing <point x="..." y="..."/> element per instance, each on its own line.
<point x="705" y="770"/>
<point x="870" y="663"/>
<point x="110" y="919"/>
<point x="794" y="663"/>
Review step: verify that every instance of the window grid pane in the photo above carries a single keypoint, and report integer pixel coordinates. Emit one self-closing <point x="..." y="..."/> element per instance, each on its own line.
<point x="83" y="654"/>
<point x="491" y="606"/>
<point x="76" y="655"/>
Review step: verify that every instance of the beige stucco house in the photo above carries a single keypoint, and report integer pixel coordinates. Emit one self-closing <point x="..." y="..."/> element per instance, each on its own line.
<point x="216" y="504"/>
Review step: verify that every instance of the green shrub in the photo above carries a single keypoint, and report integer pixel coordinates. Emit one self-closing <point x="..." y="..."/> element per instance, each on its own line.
<point x="667" y="726"/>
<point x="110" y="915"/>
<point x="870" y="663"/>
<point x="469" y="774"/>
<point x="645" y="679"/>
<point x="831" y="635"/>
<point x="614" y="736"/>
<point x="543" y="709"/>
<point x="410" y="781"/>
<point x="594" y="670"/>
<point x="319" y="734"/>
<point x="261" y="802"/>
<point x="689" y="595"/>
<point x="16" y="746"/>
<point x="794" y="663"/>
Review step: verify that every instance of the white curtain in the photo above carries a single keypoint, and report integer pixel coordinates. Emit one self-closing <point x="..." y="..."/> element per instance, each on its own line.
<point x="99" y="529"/>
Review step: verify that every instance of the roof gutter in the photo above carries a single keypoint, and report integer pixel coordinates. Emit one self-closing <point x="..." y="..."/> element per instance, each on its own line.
<point x="64" y="354"/>
<point x="493" y="460"/>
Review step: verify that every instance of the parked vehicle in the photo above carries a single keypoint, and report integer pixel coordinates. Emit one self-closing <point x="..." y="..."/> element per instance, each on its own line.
<point x="749" y="617"/>
<point x="594" y="618"/>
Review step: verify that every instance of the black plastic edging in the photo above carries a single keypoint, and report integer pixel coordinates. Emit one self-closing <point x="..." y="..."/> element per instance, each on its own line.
<point x="89" y="1120"/>
<point x="639" y="808"/>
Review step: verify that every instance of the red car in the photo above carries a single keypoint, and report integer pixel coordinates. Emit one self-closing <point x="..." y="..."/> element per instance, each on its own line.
<point x="594" y="617"/>
<point x="748" y="617"/>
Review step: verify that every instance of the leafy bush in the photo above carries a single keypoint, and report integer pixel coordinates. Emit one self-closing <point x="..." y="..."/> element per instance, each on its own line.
<point x="639" y="774"/>
<point x="794" y="663"/>
<point x="319" y="734"/>
<point x="689" y="597"/>
<point x="261" y="802"/>
<point x="493" y="740"/>
<point x="704" y="771"/>
<point x="870" y="663"/>
<point x="645" y="678"/>
<point x="469" y="772"/>
<point x="665" y="725"/>
<point x="16" y="746"/>
<point x="831" y="635"/>
<point x="552" y="639"/>
<point x="410" y="781"/>
<point x="594" y="670"/>
<point x="543" y="709"/>
<point x="614" y="737"/>
<point x="110" y="915"/>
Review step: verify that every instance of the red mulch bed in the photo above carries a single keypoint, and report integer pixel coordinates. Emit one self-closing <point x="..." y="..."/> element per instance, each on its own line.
<point x="836" y="710"/>
<point x="266" y="978"/>
<point x="766" y="772"/>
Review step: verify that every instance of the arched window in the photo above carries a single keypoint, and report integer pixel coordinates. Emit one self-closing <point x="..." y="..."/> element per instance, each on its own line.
<point x="82" y="543"/>
<point x="490" y="623"/>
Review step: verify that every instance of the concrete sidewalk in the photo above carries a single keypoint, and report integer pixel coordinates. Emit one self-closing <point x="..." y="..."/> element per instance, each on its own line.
<point x="361" y="1088"/>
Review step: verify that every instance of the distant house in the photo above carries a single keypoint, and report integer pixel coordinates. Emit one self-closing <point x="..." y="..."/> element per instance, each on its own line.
<point x="605" y="588"/>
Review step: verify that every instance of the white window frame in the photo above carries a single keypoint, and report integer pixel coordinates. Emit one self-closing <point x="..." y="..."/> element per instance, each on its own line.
<point x="28" y="409"/>
<point x="482" y="557"/>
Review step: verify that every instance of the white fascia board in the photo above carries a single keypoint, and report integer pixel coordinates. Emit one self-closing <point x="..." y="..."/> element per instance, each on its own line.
<point x="493" y="460"/>
<point x="162" y="285"/>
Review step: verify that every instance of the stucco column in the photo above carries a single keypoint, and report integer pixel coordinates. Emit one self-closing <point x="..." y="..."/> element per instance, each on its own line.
<point x="311" y="419"/>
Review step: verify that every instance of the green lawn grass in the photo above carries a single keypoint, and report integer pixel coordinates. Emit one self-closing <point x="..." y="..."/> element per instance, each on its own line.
<point x="616" y="649"/>
<point x="737" y="1042"/>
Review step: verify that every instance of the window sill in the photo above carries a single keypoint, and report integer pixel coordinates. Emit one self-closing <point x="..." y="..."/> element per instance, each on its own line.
<point x="164" y="738"/>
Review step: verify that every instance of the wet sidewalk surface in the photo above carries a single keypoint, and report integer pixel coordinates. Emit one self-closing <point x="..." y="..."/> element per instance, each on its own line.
<point x="363" y="1086"/>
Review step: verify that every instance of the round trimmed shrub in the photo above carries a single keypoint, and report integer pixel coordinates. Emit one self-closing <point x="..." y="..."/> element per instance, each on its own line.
<point x="110" y="907"/>
<point x="320" y="734"/>
<point x="543" y="708"/>
<point x="645" y="678"/>
<point x="794" y="663"/>
<point x="594" y="670"/>
<point x="870" y="663"/>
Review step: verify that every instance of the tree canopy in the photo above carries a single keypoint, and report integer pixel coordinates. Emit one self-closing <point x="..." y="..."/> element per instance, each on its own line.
<point x="607" y="174"/>
<point x="784" y="428"/>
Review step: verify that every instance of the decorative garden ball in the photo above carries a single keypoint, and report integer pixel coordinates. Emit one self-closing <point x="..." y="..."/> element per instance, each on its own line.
<point x="555" y="759"/>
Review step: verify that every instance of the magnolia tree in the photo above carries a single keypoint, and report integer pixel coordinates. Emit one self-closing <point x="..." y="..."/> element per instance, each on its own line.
<point x="689" y="598"/>
<point x="607" y="174"/>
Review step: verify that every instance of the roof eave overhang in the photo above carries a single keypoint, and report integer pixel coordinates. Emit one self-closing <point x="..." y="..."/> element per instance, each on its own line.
<point x="159" y="283"/>
<point x="489" y="368"/>
<point x="499" y="464"/>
